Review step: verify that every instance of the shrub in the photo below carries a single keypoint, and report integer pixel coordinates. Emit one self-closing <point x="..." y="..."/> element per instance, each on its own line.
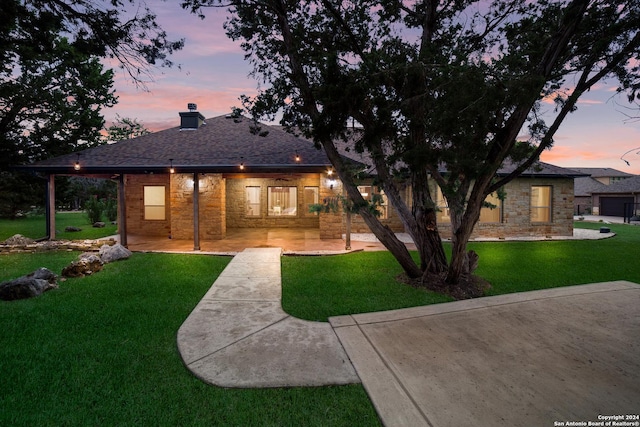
<point x="111" y="209"/>
<point x="94" y="209"/>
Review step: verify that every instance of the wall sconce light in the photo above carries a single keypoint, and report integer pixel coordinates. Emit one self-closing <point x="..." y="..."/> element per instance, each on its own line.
<point x="297" y="157"/>
<point x="76" y="165"/>
<point x="171" y="168"/>
<point x="241" y="163"/>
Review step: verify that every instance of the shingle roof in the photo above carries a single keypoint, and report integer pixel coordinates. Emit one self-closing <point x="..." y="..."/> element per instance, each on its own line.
<point x="629" y="185"/>
<point x="539" y="170"/>
<point x="584" y="186"/>
<point x="218" y="146"/>
<point x="602" y="172"/>
<point x="221" y="145"/>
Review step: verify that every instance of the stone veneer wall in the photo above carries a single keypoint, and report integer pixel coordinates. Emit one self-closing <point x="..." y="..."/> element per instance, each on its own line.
<point x="236" y="197"/>
<point x="516" y="212"/>
<point x="134" y="194"/>
<point x="212" y="206"/>
<point x="392" y="221"/>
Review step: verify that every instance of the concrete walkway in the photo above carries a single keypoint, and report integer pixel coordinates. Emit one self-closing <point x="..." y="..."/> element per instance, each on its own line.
<point x="239" y="336"/>
<point x="524" y="359"/>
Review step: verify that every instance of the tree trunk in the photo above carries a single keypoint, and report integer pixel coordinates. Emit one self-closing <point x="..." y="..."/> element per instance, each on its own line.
<point x="425" y="233"/>
<point x="462" y="223"/>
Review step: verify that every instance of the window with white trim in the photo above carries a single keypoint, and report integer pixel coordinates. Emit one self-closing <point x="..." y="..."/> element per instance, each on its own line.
<point x="368" y="193"/>
<point x="282" y="201"/>
<point x="311" y="197"/>
<point x="541" y="196"/>
<point x="154" y="202"/>
<point x="253" y="207"/>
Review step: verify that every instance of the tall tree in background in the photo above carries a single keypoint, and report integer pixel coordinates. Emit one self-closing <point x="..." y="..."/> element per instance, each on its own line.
<point x="52" y="83"/>
<point x="125" y="128"/>
<point x="441" y="89"/>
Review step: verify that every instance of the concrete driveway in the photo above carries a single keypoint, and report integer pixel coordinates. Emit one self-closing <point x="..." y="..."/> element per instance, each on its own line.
<point x="558" y="357"/>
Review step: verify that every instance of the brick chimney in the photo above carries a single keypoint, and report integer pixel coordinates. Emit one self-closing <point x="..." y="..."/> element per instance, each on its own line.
<point x="192" y="119"/>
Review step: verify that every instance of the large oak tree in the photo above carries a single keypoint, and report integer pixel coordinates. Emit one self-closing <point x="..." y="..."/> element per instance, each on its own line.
<point x="442" y="89"/>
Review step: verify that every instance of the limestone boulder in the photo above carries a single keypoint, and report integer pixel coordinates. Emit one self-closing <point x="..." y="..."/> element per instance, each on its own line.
<point x="72" y="229"/>
<point x="29" y="286"/>
<point x="85" y="265"/>
<point x="99" y="224"/>
<point x="113" y="253"/>
<point x="18" y="239"/>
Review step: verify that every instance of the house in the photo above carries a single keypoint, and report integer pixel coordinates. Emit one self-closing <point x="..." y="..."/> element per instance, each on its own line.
<point x="197" y="180"/>
<point x="621" y="198"/>
<point x="602" y="192"/>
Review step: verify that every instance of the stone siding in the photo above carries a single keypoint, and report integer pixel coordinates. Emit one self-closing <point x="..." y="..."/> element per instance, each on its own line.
<point x="237" y="208"/>
<point x="223" y="204"/>
<point x="134" y="195"/>
<point x="517" y="216"/>
<point x="211" y="203"/>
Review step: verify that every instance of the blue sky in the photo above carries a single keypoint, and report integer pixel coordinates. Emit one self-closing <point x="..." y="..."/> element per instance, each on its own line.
<point x="214" y="74"/>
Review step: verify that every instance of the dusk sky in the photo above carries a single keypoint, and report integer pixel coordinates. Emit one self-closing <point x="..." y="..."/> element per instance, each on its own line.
<point x="214" y="74"/>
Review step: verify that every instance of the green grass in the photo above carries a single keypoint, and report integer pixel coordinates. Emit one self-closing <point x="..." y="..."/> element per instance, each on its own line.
<point x="34" y="226"/>
<point x="316" y="288"/>
<point x="101" y="350"/>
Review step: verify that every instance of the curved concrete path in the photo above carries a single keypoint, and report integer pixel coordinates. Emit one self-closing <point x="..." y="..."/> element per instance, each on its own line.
<point x="239" y="336"/>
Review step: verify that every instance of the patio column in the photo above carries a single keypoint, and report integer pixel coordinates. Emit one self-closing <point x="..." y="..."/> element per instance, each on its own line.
<point x="196" y="212"/>
<point x="122" y="212"/>
<point x="50" y="207"/>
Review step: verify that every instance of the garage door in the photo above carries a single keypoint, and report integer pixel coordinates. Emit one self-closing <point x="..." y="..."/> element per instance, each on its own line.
<point x="613" y="206"/>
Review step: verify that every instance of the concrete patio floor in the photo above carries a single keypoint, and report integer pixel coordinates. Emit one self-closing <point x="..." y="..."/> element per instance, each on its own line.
<point x="301" y="241"/>
<point x="290" y="240"/>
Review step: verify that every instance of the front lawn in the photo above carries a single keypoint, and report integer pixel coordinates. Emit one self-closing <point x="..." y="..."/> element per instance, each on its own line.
<point x="34" y="226"/>
<point x="316" y="288"/>
<point x="101" y="350"/>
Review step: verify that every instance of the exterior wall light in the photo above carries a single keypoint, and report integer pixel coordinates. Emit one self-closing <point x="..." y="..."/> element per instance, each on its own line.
<point x="171" y="168"/>
<point x="297" y="157"/>
<point x="76" y="165"/>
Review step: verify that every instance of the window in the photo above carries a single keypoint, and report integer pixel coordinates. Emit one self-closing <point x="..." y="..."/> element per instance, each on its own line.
<point x="252" y="207"/>
<point x="370" y="192"/>
<point x="488" y="214"/>
<point x="154" y="204"/>
<point x="541" y="203"/>
<point x="282" y="201"/>
<point x="310" y="198"/>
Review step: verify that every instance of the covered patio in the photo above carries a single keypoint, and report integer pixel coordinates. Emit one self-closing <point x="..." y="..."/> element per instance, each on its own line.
<point x="291" y="240"/>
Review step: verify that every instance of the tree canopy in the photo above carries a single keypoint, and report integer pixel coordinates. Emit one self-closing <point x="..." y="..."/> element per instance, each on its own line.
<point x="125" y="128"/>
<point x="442" y="90"/>
<point x="53" y="85"/>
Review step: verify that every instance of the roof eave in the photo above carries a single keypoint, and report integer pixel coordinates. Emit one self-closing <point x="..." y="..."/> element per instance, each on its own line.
<point x="160" y="169"/>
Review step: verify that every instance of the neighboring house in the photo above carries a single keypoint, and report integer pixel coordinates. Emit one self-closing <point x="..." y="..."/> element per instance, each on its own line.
<point x="606" y="176"/>
<point x="197" y="180"/>
<point x="583" y="188"/>
<point x="618" y="199"/>
<point x="603" y="192"/>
